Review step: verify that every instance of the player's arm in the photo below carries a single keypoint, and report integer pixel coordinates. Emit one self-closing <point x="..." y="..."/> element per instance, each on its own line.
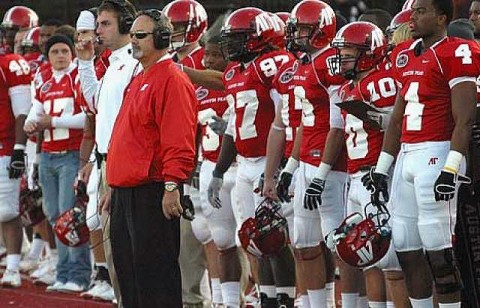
<point x="88" y="140"/>
<point x="88" y="81"/>
<point x="206" y="78"/>
<point x="21" y="99"/>
<point x="275" y="150"/>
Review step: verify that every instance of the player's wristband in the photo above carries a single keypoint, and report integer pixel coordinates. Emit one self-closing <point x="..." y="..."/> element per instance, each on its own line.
<point x="19" y="146"/>
<point x="275" y="127"/>
<point x="291" y="166"/>
<point x="384" y="162"/>
<point x="323" y="170"/>
<point x="454" y="159"/>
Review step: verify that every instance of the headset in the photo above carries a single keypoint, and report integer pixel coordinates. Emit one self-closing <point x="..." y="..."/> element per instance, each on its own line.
<point x="161" y="35"/>
<point x="125" y="17"/>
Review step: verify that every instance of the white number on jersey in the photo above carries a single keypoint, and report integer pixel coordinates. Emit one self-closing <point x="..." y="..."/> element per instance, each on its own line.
<point x="357" y="143"/>
<point x="249" y="101"/>
<point x="58" y="107"/>
<point x="210" y="141"/>
<point x="286" y="114"/>
<point x="19" y="67"/>
<point x="308" y="117"/>
<point x="413" y="109"/>
<point x="463" y="51"/>
<point x="269" y="66"/>
<point x="385" y="85"/>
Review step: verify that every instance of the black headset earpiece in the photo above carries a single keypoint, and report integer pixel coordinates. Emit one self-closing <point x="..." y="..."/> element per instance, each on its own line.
<point x="125" y="17"/>
<point x="161" y="36"/>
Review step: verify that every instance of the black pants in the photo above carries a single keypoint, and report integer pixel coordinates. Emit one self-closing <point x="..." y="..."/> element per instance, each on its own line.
<point x="145" y="248"/>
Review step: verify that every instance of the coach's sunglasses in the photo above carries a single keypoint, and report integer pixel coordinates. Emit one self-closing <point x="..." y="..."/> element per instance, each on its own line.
<point x="140" y="35"/>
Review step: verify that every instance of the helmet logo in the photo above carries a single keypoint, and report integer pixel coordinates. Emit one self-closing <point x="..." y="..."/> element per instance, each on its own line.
<point x="377" y="39"/>
<point x="326" y="17"/>
<point x="265" y="23"/>
<point x="365" y="253"/>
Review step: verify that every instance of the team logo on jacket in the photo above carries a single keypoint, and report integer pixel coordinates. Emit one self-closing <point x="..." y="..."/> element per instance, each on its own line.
<point x="229" y="74"/>
<point x="46" y="87"/>
<point x="287" y="75"/>
<point x="402" y="60"/>
<point x="201" y="93"/>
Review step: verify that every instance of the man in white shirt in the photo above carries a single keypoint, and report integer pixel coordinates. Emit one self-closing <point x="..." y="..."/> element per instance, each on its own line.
<point x="114" y="21"/>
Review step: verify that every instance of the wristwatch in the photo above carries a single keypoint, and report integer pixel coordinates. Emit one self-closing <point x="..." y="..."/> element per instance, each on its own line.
<point x="170" y="186"/>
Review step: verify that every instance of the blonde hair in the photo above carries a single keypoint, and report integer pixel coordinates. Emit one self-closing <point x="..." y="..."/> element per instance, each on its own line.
<point x="401" y="34"/>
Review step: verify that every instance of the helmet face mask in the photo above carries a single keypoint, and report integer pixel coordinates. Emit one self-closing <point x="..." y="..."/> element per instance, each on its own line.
<point x="234" y="47"/>
<point x="267" y="233"/>
<point x="298" y="36"/>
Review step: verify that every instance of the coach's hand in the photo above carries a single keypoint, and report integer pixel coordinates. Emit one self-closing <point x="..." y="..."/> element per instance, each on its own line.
<point x="17" y="164"/>
<point x="445" y="184"/>
<point x="171" y="206"/>
<point x="313" y="195"/>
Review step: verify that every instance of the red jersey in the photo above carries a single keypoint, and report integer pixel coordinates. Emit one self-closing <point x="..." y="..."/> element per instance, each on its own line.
<point x="248" y="88"/>
<point x="43" y="74"/>
<point x="58" y="99"/>
<point x="291" y="108"/>
<point x="153" y="138"/>
<point x="211" y="103"/>
<point x="101" y="65"/>
<point x="364" y="143"/>
<point x="14" y="71"/>
<point x="35" y="60"/>
<point x="314" y="83"/>
<point x="194" y="59"/>
<point x="426" y="81"/>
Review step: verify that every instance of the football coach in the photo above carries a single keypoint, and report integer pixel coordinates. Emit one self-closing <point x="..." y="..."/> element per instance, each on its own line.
<point x="151" y="152"/>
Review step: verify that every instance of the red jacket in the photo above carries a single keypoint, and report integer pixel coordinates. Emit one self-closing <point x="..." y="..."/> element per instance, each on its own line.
<point x="153" y="137"/>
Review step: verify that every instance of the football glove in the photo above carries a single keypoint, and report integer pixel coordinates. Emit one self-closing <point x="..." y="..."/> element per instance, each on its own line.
<point x="313" y="195"/>
<point x="17" y="164"/>
<point x="377" y="184"/>
<point x="283" y="187"/>
<point x="445" y="184"/>
<point x="214" y="192"/>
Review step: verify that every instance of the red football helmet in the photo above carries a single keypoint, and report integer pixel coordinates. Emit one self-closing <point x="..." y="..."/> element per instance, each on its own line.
<point x="191" y="16"/>
<point x="71" y="226"/>
<point x="400" y="18"/>
<point x="247" y="32"/>
<point x="31" y="212"/>
<point x="316" y="18"/>
<point x="20" y="17"/>
<point x="362" y="242"/>
<point x="284" y="16"/>
<point x="266" y="233"/>
<point x="371" y="45"/>
<point x="279" y="32"/>
<point x="32" y="38"/>
<point x="408" y="5"/>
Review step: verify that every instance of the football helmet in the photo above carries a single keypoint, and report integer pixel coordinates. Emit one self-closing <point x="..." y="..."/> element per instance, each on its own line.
<point x="266" y="233"/>
<point x="32" y="38"/>
<point x="279" y="31"/>
<point x="312" y="23"/>
<point x="191" y="17"/>
<point x="247" y="32"/>
<point x="408" y="5"/>
<point x="370" y="43"/>
<point x="284" y="16"/>
<point x="20" y="17"/>
<point x="362" y="242"/>
<point x="399" y="19"/>
<point x="71" y="226"/>
<point x="31" y="212"/>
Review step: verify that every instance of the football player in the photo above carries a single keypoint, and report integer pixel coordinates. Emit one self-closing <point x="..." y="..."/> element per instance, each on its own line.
<point x="361" y="49"/>
<point x="16" y="19"/>
<point x="311" y="27"/>
<point x="430" y="131"/>
<point x="15" y="97"/>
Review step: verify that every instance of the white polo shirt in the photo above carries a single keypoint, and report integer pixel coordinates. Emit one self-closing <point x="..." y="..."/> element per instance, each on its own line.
<point x="106" y="95"/>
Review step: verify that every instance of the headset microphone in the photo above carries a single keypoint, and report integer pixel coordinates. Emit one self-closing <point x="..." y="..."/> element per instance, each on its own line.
<point x="99" y="40"/>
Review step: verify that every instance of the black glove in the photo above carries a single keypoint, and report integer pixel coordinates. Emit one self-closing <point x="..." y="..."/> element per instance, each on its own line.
<point x="188" y="209"/>
<point x="445" y="184"/>
<point x="283" y="186"/>
<point x="313" y="195"/>
<point x="376" y="183"/>
<point x="476" y="134"/>
<point x="219" y="125"/>
<point x="17" y="164"/>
